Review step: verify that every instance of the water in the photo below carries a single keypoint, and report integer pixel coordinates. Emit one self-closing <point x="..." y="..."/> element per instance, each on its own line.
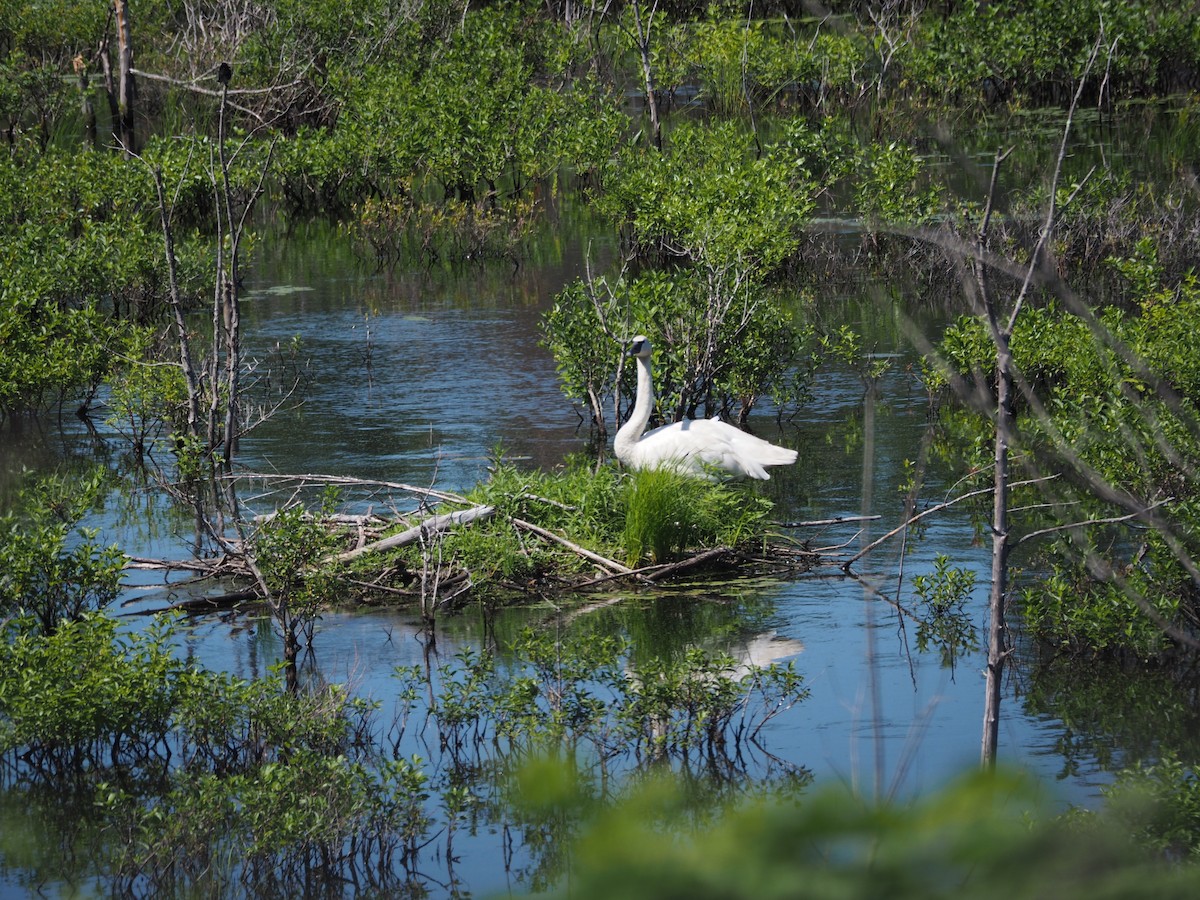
<point x="419" y="377"/>
<point x="447" y="375"/>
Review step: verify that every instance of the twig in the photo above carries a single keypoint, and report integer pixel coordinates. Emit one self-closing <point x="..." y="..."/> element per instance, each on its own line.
<point x="1111" y="520"/>
<point x="933" y="509"/>
<point x="599" y="560"/>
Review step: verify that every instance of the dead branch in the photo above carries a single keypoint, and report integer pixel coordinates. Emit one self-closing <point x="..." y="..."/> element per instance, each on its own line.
<point x="204" y="566"/>
<point x="596" y="558"/>
<point x="346" y="479"/>
<point x="690" y="563"/>
<point x="432" y="525"/>
<point x="933" y="509"/>
<point x="836" y="520"/>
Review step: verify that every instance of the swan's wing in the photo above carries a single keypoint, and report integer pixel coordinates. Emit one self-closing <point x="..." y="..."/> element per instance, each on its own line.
<point x="704" y="446"/>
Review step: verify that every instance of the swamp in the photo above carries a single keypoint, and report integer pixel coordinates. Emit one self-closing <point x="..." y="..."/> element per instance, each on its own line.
<point x="319" y="576"/>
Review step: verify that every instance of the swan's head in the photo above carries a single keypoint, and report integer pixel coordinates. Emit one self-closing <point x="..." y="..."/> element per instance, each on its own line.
<point x="640" y="347"/>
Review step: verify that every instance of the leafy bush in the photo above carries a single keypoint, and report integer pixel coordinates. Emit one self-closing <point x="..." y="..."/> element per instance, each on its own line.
<point x="52" y="570"/>
<point x="82" y="695"/>
<point x="1114" y="401"/>
<point x="716" y="351"/>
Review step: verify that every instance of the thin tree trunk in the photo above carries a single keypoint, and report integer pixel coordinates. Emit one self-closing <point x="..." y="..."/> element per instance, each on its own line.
<point x="643" y="43"/>
<point x="125" y="84"/>
<point x="997" y="629"/>
<point x="230" y="299"/>
<point x="185" y="353"/>
<point x="997" y="649"/>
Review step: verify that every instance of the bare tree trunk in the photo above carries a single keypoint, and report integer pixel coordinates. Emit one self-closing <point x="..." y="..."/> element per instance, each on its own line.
<point x="185" y="353"/>
<point x="125" y="87"/>
<point x="997" y="629"/>
<point x="229" y="290"/>
<point x="997" y="634"/>
<point x="643" y="45"/>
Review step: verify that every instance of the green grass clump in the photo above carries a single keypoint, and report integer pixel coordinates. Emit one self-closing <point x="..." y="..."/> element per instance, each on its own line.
<point x="666" y="513"/>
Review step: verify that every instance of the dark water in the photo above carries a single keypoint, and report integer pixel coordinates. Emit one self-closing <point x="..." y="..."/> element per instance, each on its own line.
<point x="419" y="376"/>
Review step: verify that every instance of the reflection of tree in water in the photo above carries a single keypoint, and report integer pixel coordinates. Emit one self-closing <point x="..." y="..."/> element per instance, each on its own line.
<point x="1113" y="713"/>
<point x="540" y="742"/>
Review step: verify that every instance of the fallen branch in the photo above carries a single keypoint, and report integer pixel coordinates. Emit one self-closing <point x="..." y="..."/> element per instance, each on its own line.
<point x="205" y="566"/>
<point x="689" y="563"/>
<point x="836" y="520"/>
<point x="195" y="606"/>
<point x="599" y="560"/>
<point x="933" y="509"/>
<point x="430" y="526"/>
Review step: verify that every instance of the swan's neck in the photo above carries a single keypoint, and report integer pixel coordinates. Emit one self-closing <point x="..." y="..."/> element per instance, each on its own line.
<point x="629" y="433"/>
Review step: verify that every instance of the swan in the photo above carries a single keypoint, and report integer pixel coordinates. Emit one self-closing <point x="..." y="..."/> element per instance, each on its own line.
<point x="702" y="447"/>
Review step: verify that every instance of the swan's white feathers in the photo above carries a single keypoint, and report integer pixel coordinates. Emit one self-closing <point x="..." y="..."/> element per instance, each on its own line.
<point x="700" y="447"/>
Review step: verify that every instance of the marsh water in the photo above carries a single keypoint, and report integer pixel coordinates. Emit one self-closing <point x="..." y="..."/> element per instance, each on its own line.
<point x="420" y="375"/>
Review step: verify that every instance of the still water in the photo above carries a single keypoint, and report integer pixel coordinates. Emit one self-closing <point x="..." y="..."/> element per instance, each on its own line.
<point x="421" y="376"/>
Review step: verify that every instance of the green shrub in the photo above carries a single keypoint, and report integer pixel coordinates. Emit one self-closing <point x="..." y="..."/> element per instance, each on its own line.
<point x="51" y="569"/>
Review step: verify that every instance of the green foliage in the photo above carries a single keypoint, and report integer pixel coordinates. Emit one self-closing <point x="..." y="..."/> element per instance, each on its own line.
<point x="270" y="829"/>
<point x="946" y="624"/>
<point x="205" y="782"/>
<point x="1035" y="52"/>
<point x="51" y="569"/>
<point x="147" y="398"/>
<point x="639" y="516"/>
<point x="719" y="346"/>
<point x="710" y="199"/>
<point x="846" y="346"/>
<point x="82" y="694"/>
<point x="666" y="513"/>
<point x="474" y="114"/>
<point x="740" y="62"/>
<point x="81" y="268"/>
<point x="1120" y="396"/>
<point x="260" y="785"/>
<point x="976" y="838"/>
<point x="891" y="186"/>
<point x="580" y="502"/>
<point x="290" y="551"/>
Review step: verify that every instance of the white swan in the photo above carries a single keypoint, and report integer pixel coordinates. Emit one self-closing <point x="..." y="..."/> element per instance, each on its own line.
<point x="700" y="447"/>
